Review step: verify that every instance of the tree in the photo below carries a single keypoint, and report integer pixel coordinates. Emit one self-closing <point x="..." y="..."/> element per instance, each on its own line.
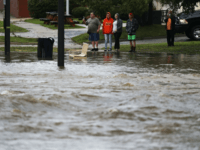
<point x="72" y="4"/>
<point x="188" y="5"/>
<point x="137" y="7"/>
<point x="99" y="6"/>
<point x="38" y="8"/>
<point x="150" y="14"/>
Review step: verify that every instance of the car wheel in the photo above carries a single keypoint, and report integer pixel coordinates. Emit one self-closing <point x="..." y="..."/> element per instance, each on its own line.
<point x="195" y="33"/>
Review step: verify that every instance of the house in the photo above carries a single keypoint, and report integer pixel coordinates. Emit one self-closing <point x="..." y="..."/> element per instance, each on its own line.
<point x="18" y="8"/>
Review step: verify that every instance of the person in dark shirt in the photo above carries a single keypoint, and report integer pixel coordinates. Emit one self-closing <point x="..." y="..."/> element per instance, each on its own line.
<point x="131" y="28"/>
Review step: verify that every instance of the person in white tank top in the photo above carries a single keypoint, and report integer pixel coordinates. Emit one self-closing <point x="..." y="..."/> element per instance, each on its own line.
<point x="117" y="30"/>
<point x="115" y="26"/>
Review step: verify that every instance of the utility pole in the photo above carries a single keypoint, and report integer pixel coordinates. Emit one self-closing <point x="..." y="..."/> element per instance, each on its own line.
<point x="61" y="33"/>
<point x="67" y="7"/>
<point x="7" y="26"/>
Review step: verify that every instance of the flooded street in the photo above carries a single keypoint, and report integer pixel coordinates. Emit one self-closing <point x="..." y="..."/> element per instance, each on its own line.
<point x="108" y="101"/>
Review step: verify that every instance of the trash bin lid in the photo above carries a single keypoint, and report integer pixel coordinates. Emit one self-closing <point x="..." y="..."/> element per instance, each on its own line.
<point x="51" y="40"/>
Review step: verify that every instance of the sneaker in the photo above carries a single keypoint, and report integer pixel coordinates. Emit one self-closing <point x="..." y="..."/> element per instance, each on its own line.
<point x="105" y="50"/>
<point x="96" y="49"/>
<point x="110" y="50"/>
<point x="93" y="49"/>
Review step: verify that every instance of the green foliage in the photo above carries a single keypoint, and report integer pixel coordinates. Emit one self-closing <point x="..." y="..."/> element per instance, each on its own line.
<point x="38" y="8"/>
<point x="188" y="5"/>
<point x="100" y="7"/>
<point x="79" y="12"/>
<point x="138" y="7"/>
<point x="73" y="4"/>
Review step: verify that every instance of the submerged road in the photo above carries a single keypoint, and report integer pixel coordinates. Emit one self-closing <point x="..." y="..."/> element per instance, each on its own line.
<point x="104" y="102"/>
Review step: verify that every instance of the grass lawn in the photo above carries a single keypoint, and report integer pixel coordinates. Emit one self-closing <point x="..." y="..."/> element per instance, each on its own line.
<point x="191" y="47"/>
<point x="145" y="31"/>
<point x="13" y="28"/>
<point x="77" y="19"/>
<point x="19" y="39"/>
<point x="37" y="21"/>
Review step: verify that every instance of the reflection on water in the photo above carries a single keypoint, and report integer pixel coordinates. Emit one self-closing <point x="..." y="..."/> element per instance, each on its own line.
<point x="108" y="101"/>
<point x="108" y="56"/>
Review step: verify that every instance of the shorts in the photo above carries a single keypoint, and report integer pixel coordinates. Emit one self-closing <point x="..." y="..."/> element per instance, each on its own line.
<point x="131" y="37"/>
<point x="94" y="36"/>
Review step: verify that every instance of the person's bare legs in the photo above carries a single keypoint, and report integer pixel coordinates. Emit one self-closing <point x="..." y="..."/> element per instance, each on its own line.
<point x="96" y="42"/>
<point x="131" y="46"/>
<point x="134" y="47"/>
<point x="93" y="44"/>
<point x="134" y="43"/>
<point x="131" y="43"/>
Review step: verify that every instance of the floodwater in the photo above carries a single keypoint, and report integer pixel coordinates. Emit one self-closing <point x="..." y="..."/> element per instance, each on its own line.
<point x="105" y="102"/>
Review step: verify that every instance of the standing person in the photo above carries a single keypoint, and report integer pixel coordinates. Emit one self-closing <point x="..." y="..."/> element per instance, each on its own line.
<point x="93" y="30"/>
<point x="117" y="30"/>
<point x="170" y="27"/>
<point x="107" y="30"/>
<point x="131" y="27"/>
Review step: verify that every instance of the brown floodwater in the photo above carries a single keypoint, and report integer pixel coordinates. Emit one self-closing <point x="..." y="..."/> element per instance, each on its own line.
<point x="107" y="101"/>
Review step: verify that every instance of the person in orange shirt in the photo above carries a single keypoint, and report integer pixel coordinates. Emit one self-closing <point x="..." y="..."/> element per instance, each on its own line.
<point x="170" y="27"/>
<point x="108" y="30"/>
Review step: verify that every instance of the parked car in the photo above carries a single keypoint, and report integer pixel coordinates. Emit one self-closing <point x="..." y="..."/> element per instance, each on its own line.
<point x="189" y="24"/>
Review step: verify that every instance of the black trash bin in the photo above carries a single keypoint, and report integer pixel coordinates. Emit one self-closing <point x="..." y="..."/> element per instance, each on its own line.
<point x="45" y="48"/>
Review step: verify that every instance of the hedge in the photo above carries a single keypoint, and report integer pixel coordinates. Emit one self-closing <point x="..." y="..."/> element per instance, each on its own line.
<point x="38" y="8"/>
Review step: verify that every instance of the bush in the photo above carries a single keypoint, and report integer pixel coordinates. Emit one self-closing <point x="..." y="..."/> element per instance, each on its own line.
<point x="38" y="8"/>
<point x="79" y="12"/>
